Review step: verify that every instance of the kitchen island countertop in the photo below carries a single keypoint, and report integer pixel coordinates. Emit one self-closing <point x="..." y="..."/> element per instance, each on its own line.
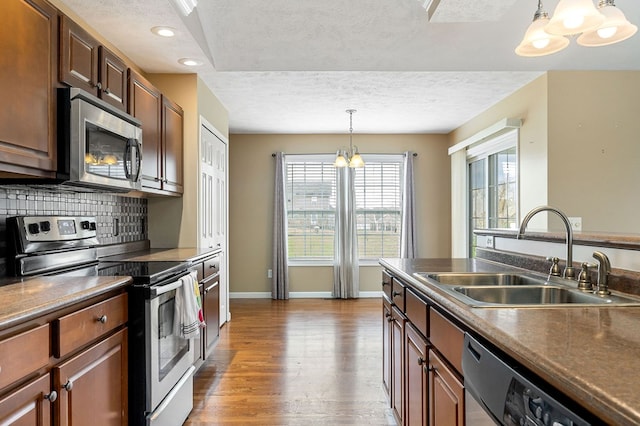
<point x="591" y="354"/>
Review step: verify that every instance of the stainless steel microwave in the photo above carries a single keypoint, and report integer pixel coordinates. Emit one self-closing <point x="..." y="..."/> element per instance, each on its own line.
<point x="99" y="146"/>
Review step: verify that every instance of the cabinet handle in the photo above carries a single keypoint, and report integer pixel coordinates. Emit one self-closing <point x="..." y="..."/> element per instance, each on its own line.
<point x="68" y="386"/>
<point x="395" y="293"/>
<point x="102" y="319"/>
<point x="107" y="91"/>
<point x="52" y="396"/>
<point x="385" y="283"/>
<point x="420" y="361"/>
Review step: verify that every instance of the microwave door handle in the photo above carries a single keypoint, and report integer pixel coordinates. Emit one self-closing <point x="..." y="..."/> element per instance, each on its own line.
<point x="138" y="160"/>
<point x="127" y="158"/>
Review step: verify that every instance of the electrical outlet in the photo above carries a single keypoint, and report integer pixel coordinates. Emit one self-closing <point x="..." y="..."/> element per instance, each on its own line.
<point x="488" y="242"/>
<point x="576" y="223"/>
<point x="269" y="273"/>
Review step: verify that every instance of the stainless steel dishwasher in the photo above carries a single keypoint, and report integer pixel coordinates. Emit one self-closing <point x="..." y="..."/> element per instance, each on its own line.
<point x="497" y="393"/>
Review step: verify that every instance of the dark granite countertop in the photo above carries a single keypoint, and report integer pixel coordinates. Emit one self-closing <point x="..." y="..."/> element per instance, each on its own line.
<point x="25" y="299"/>
<point x="591" y="354"/>
<point x="188" y="254"/>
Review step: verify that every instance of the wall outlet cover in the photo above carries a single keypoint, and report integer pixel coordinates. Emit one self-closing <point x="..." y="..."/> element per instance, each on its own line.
<point x="576" y="223"/>
<point x="488" y="242"/>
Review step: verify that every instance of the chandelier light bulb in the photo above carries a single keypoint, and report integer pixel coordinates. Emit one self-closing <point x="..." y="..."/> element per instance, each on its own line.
<point x="607" y="32"/>
<point x="541" y="43"/>
<point x="614" y="29"/>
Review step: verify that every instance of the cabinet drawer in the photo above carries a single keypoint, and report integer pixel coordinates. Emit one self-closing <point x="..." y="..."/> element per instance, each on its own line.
<point x="417" y="311"/>
<point x="447" y="338"/>
<point x="386" y="284"/>
<point x="397" y="294"/>
<point x="211" y="266"/>
<point x="23" y="354"/>
<point x="83" y="326"/>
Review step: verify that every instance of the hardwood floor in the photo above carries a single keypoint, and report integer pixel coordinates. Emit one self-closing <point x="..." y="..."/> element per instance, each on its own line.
<point x="295" y="362"/>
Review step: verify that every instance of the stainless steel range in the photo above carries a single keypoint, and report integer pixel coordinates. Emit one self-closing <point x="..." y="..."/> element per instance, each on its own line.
<point x="160" y="362"/>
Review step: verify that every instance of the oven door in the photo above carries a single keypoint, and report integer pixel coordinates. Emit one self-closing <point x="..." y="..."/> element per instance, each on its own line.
<point x="169" y="356"/>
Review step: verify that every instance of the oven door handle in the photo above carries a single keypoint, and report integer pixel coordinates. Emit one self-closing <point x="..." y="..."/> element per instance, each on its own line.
<point x="158" y="290"/>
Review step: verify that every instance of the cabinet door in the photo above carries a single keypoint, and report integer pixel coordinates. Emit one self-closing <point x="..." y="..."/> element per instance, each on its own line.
<point x="397" y="363"/>
<point x="113" y="79"/>
<point x="29" y="58"/>
<point x="417" y="385"/>
<point x="145" y="104"/>
<point x="172" y="134"/>
<point x="29" y="405"/>
<point x="446" y="394"/>
<point x="92" y="386"/>
<point x="79" y="53"/>
<point x="211" y="314"/>
<point x="386" y="346"/>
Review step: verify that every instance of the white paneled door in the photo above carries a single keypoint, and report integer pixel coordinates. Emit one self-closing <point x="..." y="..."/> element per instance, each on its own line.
<point x="212" y="205"/>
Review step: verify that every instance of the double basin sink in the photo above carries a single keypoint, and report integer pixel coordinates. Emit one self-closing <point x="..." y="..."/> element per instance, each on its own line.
<point x="491" y="290"/>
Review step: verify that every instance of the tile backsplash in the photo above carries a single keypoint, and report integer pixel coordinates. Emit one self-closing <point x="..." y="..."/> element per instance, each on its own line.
<point x="129" y="213"/>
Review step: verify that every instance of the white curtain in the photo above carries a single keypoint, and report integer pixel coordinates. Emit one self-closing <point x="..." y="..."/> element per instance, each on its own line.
<point x="345" y="260"/>
<point x="280" y="281"/>
<point x="408" y="237"/>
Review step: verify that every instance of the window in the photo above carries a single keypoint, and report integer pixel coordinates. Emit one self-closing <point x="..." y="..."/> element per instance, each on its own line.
<point x="378" y="189"/>
<point x="311" y="202"/>
<point x="493" y="183"/>
<point x="311" y="205"/>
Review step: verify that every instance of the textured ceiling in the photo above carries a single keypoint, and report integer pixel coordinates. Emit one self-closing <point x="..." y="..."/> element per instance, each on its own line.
<point x="294" y="66"/>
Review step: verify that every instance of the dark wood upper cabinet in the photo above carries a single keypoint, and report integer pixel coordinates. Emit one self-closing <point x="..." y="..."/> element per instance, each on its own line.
<point x="162" y="136"/>
<point x="87" y="65"/>
<point x="28" y="64"/>
<point x="172" y="134"/>
<point x="145" y="103"/>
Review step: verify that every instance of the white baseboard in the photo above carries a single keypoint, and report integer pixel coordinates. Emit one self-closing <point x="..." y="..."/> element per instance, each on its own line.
<point x="298" y="295"/>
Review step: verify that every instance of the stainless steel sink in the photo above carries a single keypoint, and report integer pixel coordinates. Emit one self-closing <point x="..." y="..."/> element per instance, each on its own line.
<point x="530" y="295"/>
<point x="496" y="290"/>
<point x="481" y="278"/>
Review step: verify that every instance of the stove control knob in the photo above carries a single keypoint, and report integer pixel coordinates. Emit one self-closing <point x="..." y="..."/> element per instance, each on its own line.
<point x="84" y="224"/>
<point x="45" y="226"/>
<point x="92" y="226"/>
<point x="33" y="228"/>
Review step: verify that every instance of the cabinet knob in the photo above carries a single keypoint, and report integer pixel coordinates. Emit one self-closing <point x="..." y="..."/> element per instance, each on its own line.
<point x="390" y="319"/>
<point x="395" y="293"/>
<point x="385" y="283"/>
<point x="107" y="91"/>
<point x="52" y="396"/>
<point x="102" y="319"/>
<point x="421" y="361"/>
<point x="98" y="86"/>
<point x="68" y="386"/>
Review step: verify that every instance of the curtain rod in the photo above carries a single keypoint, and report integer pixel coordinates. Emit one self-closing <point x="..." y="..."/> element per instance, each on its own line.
<point x="415" y="154"/>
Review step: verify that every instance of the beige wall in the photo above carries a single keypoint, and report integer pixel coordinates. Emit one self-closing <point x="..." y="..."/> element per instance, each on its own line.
<point x="594" y="148"/>
<point x="173" y="221"/>
<point x="530" y="105"/>
<point x="251" y="207"/>
<point x="579" y="146"/>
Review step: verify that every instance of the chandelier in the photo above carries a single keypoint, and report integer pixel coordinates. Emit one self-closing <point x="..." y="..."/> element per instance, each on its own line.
<point x="350" y="157"/>
<point x="597" y="27"/>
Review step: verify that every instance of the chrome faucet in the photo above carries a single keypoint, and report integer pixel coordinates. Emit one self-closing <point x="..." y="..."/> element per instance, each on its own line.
<point x="604" y="269"/>
<point x="569" y="272"/>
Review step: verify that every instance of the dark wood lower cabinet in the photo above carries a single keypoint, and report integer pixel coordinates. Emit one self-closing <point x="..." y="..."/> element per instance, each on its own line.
<point x="397" y="363"/>
<point x="416" y="361"/>
<point x="386" y="346"/>
<point x="92" y="386"/>
<point x="29" y="405"/>
<point x="446" y="394"/>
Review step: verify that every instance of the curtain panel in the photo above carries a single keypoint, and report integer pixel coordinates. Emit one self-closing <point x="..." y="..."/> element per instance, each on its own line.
<point x="280" y="280"/>
<point x="408" y="236"/>
<point x="346" y="268"/>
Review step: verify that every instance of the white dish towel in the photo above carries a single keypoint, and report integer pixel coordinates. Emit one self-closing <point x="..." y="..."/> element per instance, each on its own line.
<point x="188" y="313"/>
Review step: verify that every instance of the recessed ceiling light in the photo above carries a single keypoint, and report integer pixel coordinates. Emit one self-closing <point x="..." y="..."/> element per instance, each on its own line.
<point x="164" y="31"/>
<point x="190" y="62"/>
